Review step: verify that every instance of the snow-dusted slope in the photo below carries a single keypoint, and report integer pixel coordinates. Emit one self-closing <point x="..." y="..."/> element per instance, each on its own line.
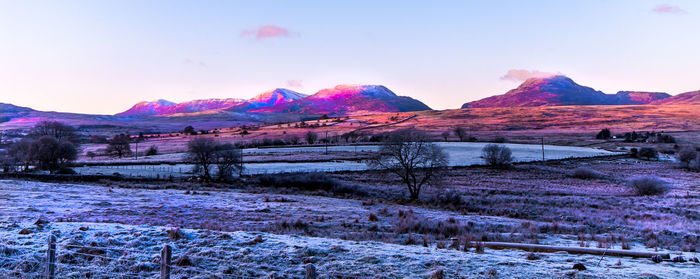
<point x="350" y="99"/>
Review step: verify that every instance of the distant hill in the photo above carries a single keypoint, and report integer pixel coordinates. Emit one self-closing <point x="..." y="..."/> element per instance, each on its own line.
<point x="10" y="108"/>
<point x="688" y="98"/>
<point x="639" y="97"/>
<point x="348" y="100"/>
<point x="9" y="111"/>
<point x="563" y="91"/>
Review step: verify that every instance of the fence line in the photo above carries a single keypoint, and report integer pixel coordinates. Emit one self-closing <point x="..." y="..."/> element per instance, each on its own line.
<point x="49" y="266"/>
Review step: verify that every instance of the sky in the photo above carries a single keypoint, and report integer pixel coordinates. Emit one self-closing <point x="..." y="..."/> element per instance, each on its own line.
<point x="101" y="57"/>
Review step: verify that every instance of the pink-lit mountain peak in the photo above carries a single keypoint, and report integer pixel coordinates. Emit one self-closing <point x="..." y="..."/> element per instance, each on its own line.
<point x="345" y="90"/>
<point x="546" y="83"/>
<point x="148" y="108"/>
<point x="349" y="99"/>
<point x="164" y="107"/>
<point x="560" y="90"/>
<point x="276" y="96"/>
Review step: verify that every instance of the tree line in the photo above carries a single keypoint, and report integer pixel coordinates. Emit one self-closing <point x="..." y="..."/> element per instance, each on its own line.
<point x="50" y="145"/>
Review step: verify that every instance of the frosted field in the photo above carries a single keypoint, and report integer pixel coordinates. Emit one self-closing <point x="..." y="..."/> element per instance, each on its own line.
<point x="460" y="154"/>
<point x="125" y="242"/>
<point x="133" y="252"/>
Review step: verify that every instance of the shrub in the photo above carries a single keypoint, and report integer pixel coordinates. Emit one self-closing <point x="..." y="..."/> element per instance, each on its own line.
<point x="152" y="151"/>
<point x="586" y="173"/>
<point x="686" y="155"/>
<point x="373" y="217"/>
<point x="499" y="139"/>
<point x="449" y="198"/>
<point x="648" y="153"/>
<point x="694" y="164"/>
<point x="648" y="185"/>
<point x="342" y="188"/>
<point x="304" y="181"/>
<point x="65" y="170"/>
<point x="497" y="155"/>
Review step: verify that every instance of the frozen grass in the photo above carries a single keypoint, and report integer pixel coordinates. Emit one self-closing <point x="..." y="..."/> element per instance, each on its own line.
<point x="528" y="203"/>
<point x="123" y="251"/>
<point x="561" y="204"/>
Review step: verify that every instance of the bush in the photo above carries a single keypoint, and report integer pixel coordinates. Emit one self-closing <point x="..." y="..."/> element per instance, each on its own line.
<point x="694" y="164"/>
<point x="152" y="151"/>
<point x="648" y="153"/>
<point x="586" y="173"/>
<point x="304" y="181"/>
<point x="341" y="189"/>
<point x="65" y="171"/>
<point x="449" y="198"/>
<point x="648" y="185"/>
<point x="497" y="155"/>
<point x="686" y="155"/>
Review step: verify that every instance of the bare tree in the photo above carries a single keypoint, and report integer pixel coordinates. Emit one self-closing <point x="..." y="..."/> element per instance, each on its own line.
<point x="52" y="154"/>
<point x="461" y="133"/>
<point x="58" y="130"/>
<point x="293" y="139"/>
<point x="119" y="146"/>
<point x="311" y="137"/>
<point x="21" y="152"/>
<point x="7" y="162"/>
<point x="497" y="155"/>
<point x="228" y="159"/>
<point x="66" y="153"/>
<point x="446" y="135"/>
<point x="202" y="153"/>
<point x="189" y="130"/>
<point x="409" y="155"/>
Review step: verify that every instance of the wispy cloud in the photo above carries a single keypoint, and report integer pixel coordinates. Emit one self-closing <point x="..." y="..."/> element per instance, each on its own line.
<point x="189" y="61"/>
<point x="295" y="83"/>
<point x="668" y="9"/>
<point x="267" y="31"/>
<point x="522" y="75"/>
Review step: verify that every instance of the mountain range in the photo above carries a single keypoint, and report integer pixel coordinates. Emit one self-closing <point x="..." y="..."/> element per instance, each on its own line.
<point x="284" y="105"/>
<point x="560" y="90"/>
<point x="340" y="100"/>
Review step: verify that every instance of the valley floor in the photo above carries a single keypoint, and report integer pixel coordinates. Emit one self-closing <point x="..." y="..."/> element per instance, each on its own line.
<point x="370" y="231"/>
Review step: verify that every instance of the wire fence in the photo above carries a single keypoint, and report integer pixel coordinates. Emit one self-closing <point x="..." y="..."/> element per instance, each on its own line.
<point x="58" y="261"/>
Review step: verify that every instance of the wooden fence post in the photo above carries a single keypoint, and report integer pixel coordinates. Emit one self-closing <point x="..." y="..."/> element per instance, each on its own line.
<point x="165" y="256"/>
<point x="51" y="258"/>
<point x="311" y="272"/>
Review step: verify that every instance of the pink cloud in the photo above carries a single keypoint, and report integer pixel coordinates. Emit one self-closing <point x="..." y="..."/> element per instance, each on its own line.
<point x="668" y="9"/>
<point x="267" y="31"/>
<point x="522" y="75"/>
<point x="294" y="83"/>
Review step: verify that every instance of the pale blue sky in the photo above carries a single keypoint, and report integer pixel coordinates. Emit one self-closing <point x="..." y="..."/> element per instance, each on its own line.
<point x="103" y="56"/>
